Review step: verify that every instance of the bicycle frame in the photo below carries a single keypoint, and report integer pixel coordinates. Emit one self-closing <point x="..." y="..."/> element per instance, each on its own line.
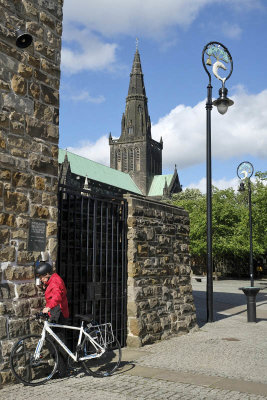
<point x="75" y="356"/>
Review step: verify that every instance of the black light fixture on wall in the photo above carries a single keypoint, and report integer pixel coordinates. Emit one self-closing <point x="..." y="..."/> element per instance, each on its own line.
<point x="23" y="39"/>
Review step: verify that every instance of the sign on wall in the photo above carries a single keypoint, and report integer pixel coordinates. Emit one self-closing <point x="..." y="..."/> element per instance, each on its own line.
<point x="37" y="235"/>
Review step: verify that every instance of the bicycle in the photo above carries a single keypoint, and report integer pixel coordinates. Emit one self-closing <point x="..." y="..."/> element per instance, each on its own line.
<point x="34" y="358"/>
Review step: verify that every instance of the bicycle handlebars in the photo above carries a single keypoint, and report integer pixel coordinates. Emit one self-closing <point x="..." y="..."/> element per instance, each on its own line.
<point x="42" y="315"/>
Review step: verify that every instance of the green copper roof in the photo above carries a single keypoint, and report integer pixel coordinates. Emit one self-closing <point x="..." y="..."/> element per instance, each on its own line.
<point x="83" y="166"/>
<point x="158" y="183"/>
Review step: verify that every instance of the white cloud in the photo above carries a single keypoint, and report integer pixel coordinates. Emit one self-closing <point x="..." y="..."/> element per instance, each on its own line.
<point x="91" y="26"/>
<point x="243" y="130"/>
<point x="220" y="184"/>
<point x="98" y="151"/>
<point x="88" y="25"/>
<point x="232" y="31"/>
<point x="86" y="97"/>
<point x="150" y="17"/>
<point x="245" y="5"/>
<point x="86" y="51"/>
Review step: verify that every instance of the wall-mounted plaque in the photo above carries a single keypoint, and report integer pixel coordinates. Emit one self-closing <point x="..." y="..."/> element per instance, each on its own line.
<point x="37" y="235"/>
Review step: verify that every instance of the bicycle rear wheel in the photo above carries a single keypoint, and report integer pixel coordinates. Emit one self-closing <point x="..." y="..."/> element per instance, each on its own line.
<point x="109" y="361"/>
<point x="29" y="371"/>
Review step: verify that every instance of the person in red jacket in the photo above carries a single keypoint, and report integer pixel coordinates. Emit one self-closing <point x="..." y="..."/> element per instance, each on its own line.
<point x="56" y="304"/>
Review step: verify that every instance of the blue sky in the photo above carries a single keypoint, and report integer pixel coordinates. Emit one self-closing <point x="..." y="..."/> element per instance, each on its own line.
<point x="98" y="46"/>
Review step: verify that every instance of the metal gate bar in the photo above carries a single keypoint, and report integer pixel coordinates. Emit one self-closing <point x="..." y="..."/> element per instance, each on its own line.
<point x="92" y="257"/>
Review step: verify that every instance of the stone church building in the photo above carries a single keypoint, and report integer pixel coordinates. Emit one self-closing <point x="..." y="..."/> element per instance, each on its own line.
<point x="135" y="158"/>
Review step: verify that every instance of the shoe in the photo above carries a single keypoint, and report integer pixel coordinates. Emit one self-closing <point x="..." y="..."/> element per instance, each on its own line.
<point x="60" y="374"/>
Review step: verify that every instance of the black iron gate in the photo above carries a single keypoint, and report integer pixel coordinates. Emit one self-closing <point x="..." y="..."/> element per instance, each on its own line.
<point x="92" y="257"/>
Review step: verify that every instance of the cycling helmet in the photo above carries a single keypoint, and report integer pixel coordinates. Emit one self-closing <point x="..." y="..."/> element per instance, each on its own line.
<point x="43" y="268"/>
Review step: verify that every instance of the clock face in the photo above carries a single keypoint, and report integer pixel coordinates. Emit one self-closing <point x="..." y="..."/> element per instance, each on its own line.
<point x="245" y="170"/>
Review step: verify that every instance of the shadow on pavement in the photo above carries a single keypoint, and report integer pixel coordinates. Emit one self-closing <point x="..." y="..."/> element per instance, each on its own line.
<point x="222" y="302"/>
<point x="125" y="366"/>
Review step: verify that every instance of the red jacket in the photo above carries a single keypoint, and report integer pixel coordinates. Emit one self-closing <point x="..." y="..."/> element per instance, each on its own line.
<point x="56" y="293"/>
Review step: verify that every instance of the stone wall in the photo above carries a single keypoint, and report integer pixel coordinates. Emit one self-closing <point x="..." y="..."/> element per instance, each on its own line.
<point x="29" y="109"/>
<point x="160" y="300"/>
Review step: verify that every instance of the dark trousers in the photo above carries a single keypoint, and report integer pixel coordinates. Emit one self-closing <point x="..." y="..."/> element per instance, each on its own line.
<point x="57" y="317"/>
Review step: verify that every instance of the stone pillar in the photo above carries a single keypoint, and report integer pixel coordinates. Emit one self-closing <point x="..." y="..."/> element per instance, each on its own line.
<point x="160" y="300"/>
<point x="29" y="112"/>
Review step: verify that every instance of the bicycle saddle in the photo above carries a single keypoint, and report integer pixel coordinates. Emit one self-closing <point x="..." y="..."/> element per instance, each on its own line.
<point x="87" y="318"/>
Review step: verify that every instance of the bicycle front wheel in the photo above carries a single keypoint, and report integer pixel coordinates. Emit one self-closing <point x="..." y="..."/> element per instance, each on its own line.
<point x="26" y="368"/>
<point x="109" y="361"/>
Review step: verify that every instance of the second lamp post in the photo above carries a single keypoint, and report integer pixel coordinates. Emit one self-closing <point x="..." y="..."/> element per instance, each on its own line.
<point x="222" y="56"/>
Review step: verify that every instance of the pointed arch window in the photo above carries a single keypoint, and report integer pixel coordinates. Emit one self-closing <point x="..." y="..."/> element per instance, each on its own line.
<point x="125" y="160"/>
<point x="137" y="159"/>
<point x="131" y="159"/>
<point x="118" y="163"/>
<point x="130" y="128"/>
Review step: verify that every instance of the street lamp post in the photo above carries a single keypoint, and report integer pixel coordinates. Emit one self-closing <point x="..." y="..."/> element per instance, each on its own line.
<point x="221" y="55"/>
<point x="245" y="171"/>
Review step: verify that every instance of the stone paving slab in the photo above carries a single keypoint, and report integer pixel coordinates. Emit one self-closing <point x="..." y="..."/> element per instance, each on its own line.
<point x="123" y="387"/>
<point x="201" y="380"/>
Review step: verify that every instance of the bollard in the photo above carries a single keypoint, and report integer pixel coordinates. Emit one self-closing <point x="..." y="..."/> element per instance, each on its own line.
<point x="251" y="293"/>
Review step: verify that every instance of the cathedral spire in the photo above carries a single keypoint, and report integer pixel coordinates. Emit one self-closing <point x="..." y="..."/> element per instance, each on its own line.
<point x="135" y="152"/>
<point x="136" y="85"/>
<point x="135" y="120"/>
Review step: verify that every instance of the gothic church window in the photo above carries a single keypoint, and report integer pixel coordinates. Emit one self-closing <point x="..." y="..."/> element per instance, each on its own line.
<point x="130" y="128"/>
<point x="137" y="159"/>
<point x="118" y="160"/>
<point x="125" y="161"/>
<point x="131" y="166"/>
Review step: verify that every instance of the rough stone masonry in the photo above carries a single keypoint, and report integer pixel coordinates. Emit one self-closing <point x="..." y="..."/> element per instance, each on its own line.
<point x="29" y="112"/>
<point x="160" y="300"/>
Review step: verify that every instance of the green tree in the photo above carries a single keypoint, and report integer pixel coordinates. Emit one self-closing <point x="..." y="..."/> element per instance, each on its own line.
<point x="230" y="222"/>
<point x="259" y="213"/>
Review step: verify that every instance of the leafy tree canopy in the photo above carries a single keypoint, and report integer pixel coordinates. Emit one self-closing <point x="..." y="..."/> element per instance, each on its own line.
<point x="230" y="220"/>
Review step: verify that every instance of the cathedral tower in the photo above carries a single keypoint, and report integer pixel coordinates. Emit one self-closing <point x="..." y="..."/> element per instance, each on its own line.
<point x="135" y="152"/>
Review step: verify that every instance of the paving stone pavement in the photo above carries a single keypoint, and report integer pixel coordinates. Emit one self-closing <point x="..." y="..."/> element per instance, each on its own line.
<point x="226" y="359"/>
<point x="121" y="387"/>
